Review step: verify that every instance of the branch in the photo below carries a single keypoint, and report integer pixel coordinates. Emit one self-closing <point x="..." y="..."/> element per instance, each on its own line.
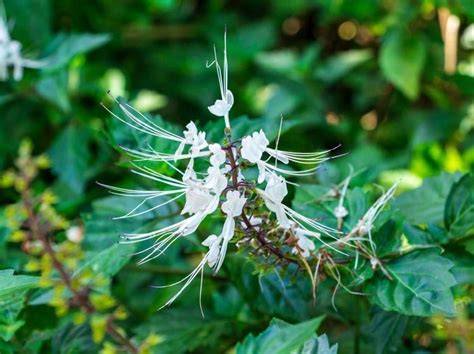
<point x="258" y="233"/>
<point x="80" y="297"/>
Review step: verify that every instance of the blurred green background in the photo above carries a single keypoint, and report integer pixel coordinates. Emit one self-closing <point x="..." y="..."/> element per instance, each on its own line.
<point x="369" y="75"/>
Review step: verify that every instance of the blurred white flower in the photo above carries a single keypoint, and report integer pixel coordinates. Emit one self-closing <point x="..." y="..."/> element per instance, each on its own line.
<point x="304" y="244"/>
<point x="340" y="211"/>
<point x="75" y="234"/>
<point x="10" y="54"/>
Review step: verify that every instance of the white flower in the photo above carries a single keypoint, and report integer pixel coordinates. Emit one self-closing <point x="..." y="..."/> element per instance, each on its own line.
<point x="253" y="146"/>
<point x="214" y="244"/>
<point x="305" y="245"/>
<point x="215" y="180"/>
<point x="75" y="234"/>
<point x="197" y="199"/>
<point x="221" y="107"/>
<point x="217" y="155"/>
<point x="340" y="211"/>
<point x="275" y="192"/>
<point x="10" y="55"/>
<point x="366" y="223"/>
<point x="192" y="137"/>
<point x="273" y="196"/>
<point x="211" y="171"/>
<point x="233" y="204"/>
<point x="232" y="207"/>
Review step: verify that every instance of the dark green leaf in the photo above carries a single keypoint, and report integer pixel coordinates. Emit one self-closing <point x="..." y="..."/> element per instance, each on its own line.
<point x="463" y="269"/>
<point x="70" y="157"/>
<point x="184" y="330"/>
<point x="386" y="330"/>
<point x="54" y="89"/>
<point x="420" y="286"/>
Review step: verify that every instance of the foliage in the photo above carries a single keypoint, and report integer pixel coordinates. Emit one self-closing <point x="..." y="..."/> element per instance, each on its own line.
<point x="367" y="75"/>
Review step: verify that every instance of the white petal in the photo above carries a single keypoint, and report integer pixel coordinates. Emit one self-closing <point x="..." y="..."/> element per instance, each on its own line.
<point x="219" y="108"/>
<point x="229" y="98"/>
<point x="209" y="241"/>
<point x="261" y="172"/>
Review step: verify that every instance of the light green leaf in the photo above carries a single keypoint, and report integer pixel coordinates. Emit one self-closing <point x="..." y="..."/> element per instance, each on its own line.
<point x="65" y="46"/>
<point x="402" y="57"/>
<point x="459" y="210"/>
<point x="341" y="64"/>
<point x="109" y="261"/>
<point x="420" y="286"/>
<point x="425" y="205"/>
<point x="13" y="289"/>
<point x="13" y="284"/>
<point x="280" y="338"/>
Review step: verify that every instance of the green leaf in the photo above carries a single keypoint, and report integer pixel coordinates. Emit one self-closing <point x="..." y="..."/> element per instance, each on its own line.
<point x="69" y="338"/>
<point x="271" y="294"/>
<point x="54" y="89"/>
<point x="70" y="157"/>
<point x="386" y="330"/>
<point x="31" y="20"/>
<point x="425" y="205"/>
<point x="11" y="285"/>
<point x="402" y="57"/>
<point x="341" y="64"/>
<point x="387" y="238"/>
<point x="65" y="46"/>
<point x="459" y="210"/>
<point x="431" y="235"/>
<point x="13" y="289"/>
<point x="110" y="260"/>
<point x="280" y="338"/>
<point x="184" y="330"/>
<point x="420" y="286"/>
<point x="463" y="269"/>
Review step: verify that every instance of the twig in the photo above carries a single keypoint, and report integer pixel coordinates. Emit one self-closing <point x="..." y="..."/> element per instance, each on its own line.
<point x="80" y="297"/>
<point x="259" y="235"/>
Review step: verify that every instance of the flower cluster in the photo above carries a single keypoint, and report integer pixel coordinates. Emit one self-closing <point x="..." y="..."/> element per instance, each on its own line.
<point x="225" y="186"/>
<point x="10" y="54"/>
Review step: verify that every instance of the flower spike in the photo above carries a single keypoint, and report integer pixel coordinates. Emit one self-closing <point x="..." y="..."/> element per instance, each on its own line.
<point x="214" y="183"/>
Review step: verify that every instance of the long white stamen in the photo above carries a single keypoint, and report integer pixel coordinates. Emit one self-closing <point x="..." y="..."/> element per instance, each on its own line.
<point x="131" y="213"/>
